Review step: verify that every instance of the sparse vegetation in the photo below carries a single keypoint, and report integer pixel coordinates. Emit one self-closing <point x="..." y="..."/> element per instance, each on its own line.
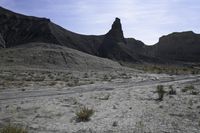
<point x="105" y="78"/>
<point x="188" y="88"/>
<point x="160" y="90"/>
<point x="84" y="114"/>
<point x="168" y="69"/>
<point x="191" y="89"/>
<point x="172" y="91"/>
<point x="85" y="75"/>
<point x="52" y="83"/>
<point x="194" y="92"/>
<point x="13" y="129"/>
<point x="76" y="81"/>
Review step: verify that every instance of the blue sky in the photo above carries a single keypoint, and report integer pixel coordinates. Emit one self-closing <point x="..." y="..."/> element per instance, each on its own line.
<point x="144" y="20"/>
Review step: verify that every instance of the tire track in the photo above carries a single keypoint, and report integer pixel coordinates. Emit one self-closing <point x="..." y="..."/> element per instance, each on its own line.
<point x="88" y="88"/>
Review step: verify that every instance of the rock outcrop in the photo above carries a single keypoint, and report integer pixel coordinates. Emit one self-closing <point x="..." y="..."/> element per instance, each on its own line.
<point x="179" y="46"/>
<point x="116" y="32"/>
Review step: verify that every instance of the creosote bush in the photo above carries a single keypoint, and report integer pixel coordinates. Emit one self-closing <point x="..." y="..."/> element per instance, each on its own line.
<point x="84" y="114"/>
<point x="13" y="129"/>
<point x="161" y="92"/>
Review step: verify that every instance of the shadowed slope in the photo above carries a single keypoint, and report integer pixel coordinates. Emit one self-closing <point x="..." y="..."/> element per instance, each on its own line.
<point x="17" y="29"/>
<point x="179" y="46"/>
<point x="50" y="56"/>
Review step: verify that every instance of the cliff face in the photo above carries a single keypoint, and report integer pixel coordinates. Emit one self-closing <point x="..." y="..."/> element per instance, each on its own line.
<point x="182" y="46"/>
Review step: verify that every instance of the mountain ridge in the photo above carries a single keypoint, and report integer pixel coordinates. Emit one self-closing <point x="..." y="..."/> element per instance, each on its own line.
<point x="18" y="29"/>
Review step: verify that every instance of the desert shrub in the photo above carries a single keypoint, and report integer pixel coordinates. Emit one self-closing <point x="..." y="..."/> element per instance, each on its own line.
<point x="50" y="76"/>
<point x="161" y="92"/>
<point x="84" y="114"/>
<point x="76" y="81"/>
<point x="52" y="83"/>
<point x="188" y="88"/>
<point x="73" y="82"/>
<point x="70" y="84"/>
<point x="13" y="129"/>
<point x="195" y="72"/>
<point x="193" y="92"/>
<point x="85" y="75"/>
<point x="171" y="91"/>
<point x="105" y="78"/>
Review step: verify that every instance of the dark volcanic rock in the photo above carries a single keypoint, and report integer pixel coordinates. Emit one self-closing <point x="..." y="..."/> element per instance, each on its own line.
<point x="179" y="46"/>
<point x="116" y="33"/>
<point x="17" y="29"/>
<point x="2" y="42"/>
<point x="116" y="47"/>
<point x="113" y="43"/>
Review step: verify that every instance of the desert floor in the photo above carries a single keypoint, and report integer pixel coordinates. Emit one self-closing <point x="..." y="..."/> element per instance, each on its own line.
<point x="124" y="101"/>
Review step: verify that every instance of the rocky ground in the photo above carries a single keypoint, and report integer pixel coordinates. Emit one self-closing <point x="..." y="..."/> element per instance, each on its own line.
<point x="124" y="101"/>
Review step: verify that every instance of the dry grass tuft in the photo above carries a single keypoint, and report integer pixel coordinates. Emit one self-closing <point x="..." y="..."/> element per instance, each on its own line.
<point x="84" y="114"/>
<point x="13" y="129"/>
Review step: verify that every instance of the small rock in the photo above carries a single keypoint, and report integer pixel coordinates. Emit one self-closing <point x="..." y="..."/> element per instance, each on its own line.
<point x="114" y="107"/>
<point x="115" y="124"/>
<point x="18" y="108"/>
<point x="34" y="126"/>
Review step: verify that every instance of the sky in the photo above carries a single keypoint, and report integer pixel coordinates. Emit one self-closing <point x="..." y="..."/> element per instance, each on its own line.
<point x="144" y="20"/>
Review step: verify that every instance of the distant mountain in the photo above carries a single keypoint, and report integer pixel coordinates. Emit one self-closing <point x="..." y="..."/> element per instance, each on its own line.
<point x="17" y="29"/>
<point x="179" y="46"/>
